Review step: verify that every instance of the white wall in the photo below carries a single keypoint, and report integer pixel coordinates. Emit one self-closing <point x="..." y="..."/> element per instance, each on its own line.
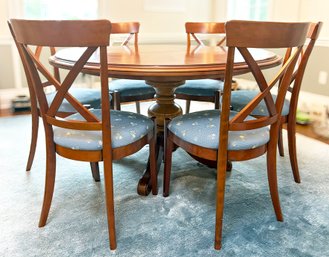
<point x="3" y="19"/>
<point x="316" y="10"/>
<point x="162" y="26"/>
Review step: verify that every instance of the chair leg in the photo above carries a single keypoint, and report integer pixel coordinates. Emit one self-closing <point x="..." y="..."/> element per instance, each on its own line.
<point x="221" y="177"/>
<point x="109" y="198"/>
<point x="34" y="138"/>
<point x="187" y="106"/>
<point x="153" y="166"/>
<point x="272" y="178"/>
<point x="116" y="101"/>
<point x="293" y="150"/>
<point x="138" y="107"/>
<point x="218" y="104"/>
<point x="280" y="142"/>
<point x="95" y="171"/>
<point x="49" y="184"/>
<point x="167" y="166"/>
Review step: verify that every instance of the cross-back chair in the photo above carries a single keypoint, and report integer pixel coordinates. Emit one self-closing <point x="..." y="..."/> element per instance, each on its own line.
<point x="241" y="98"/>
<point x="206" y="90"/>
<point x="236" y="136"/>
<point x="87" y="96"/>
<point x="90" y="135"/>
<point x="129" y="90"/>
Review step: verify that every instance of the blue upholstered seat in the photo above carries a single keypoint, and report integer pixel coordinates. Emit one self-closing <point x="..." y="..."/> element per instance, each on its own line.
<point x="88" y="96"/>
<point x="202" y="129"/>
<point x="131" y="87"/>
<point x="126" y="128"/>
<point x="241" y="98"/>
<point x="200" y="87"/>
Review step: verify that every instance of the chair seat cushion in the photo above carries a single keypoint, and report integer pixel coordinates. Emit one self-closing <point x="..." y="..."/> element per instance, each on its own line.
<point x="202" y="129"/>
<point x="126" y="128"/>
<point x="88" y="96"/>
<point x="200" y="87"/>
<point x="131" y="87"/>
<point x="241" y="98"/>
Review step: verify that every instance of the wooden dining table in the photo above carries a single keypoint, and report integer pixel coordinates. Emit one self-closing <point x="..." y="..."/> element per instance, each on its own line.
<point x="164" y="67"/>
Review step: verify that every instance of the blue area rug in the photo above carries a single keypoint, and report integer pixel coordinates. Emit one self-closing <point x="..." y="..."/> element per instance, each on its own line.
<point x="180" y="225"/>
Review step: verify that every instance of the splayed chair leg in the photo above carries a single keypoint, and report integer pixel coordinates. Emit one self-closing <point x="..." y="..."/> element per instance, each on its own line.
<point x="49" y="185"/>
<point x="138" y="107"/>
<point x="280" y="142"/>
<point x="293" y="150"/>
<point x="34" y="138"/>
<point x="221" y="177"/>
<point x="95" y="171"/>
<point x="109" y="197"/>
<point x="272" y="179"/>
<point x="187" y="106"/>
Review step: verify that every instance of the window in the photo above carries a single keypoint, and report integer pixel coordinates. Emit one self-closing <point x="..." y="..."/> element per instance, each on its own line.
<point x="60" y="9"/>
<point x="248" y="9"/>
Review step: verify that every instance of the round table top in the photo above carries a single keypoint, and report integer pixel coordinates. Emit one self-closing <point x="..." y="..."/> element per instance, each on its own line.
<point x="165" y="62"/>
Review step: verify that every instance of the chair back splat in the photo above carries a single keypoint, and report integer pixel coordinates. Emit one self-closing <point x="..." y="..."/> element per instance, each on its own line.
<point x="240" y="98"/>
<point x="193" y="29"/>
<point x="129" y="90"/>
<point x="130" y="28"/>
<point x="90" y="135"/>
<point x="87" y="96"/>
<point x="206" y="90"/>
<point x="226" y="135"/>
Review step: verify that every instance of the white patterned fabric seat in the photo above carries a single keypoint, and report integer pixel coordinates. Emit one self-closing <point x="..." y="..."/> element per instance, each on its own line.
<point x="126" y="128"/>
<point x="200" y="87"/>
<point x="202" y="129"/>
<point x="86" y="96"/>
<point x="240" y="98"/>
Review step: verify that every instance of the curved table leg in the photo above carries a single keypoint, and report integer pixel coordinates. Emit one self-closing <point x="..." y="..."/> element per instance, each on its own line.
<point x="163" y="108"/>
<point x="144" y="183"/>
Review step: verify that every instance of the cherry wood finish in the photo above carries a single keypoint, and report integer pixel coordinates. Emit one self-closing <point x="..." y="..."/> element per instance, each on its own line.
<point x="164" y="67"/>
<point x="132" y="29"/>
<point x="93" y="36"/>
<point x="240" y="36"/>
<point x="35" y="113"/>
<point x="294" y="89"/>
<point x="193" y="31"/>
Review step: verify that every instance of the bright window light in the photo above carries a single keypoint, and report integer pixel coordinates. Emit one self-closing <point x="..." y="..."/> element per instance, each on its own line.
<point x="60" y="9"/>
<point x="248" y="9"/>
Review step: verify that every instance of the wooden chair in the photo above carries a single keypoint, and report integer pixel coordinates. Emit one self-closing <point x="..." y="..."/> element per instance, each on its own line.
<point x="206" y="90"/>
<point x="87" y="96"/>
<point x="129" y="90"/>
<point x="240" y="99"/>
<point x="237" y="136"/>
<point x="90" y="135"/>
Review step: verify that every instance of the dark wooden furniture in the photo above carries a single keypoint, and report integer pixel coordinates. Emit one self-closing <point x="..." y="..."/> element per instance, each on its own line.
<point x="90" y="135"/>
<point x="205" y="90"/>
<point x="129" y="90"/>
<point x="240" y="98"/>
<point x="237" y="136"/>
<point x="164" y="67"/>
